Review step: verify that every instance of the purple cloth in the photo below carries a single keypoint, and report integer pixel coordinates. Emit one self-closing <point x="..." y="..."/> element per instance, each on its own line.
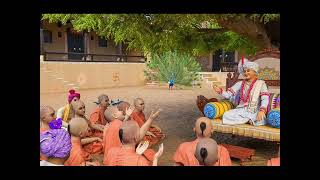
<point x="278" y="101"/>
<point x="55" y="143"/>
<point x="72" y="94"/>
<point x="55" y="124"/>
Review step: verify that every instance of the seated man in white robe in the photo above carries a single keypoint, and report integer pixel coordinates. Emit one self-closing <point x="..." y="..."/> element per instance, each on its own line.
<point x="250" y="95"/>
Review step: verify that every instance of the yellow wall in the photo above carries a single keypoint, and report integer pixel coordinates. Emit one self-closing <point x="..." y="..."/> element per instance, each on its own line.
<point x="89" y="75"/>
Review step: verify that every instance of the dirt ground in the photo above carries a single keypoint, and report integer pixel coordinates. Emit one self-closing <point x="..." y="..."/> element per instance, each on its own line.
<point x="176" y="120"/>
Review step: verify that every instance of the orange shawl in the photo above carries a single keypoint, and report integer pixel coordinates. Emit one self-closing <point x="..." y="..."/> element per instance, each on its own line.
<point x="140" y="119"/>
<point x="119" y="156"/>
<point x="185" y="155"/>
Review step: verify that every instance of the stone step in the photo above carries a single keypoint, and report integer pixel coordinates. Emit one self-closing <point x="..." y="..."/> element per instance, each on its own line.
<point x="152" y="84"/>
<point x="206" y="75"/>
<point x="53" y="75"/>
<point x="212" y="79"/>
<point x="215" y="82"/>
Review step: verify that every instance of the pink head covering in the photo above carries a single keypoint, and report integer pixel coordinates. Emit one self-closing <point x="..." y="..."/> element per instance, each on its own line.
<point x="72" y="95"/>
<point x="55" y="143"/>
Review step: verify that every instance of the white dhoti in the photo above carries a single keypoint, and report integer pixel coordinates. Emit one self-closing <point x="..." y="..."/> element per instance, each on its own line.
<point x="241" y="116"/>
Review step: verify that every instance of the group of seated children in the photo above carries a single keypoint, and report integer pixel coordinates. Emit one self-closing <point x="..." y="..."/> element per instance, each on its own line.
<point x="122" y="133"/>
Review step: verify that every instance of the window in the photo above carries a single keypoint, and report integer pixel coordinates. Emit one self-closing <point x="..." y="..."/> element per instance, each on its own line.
<point x="229" y="56"/>
<point x="102" y="42"/>
<point x="47" y="36"/>
<point x="226" y="56"/>
<point x="224" y="61"/>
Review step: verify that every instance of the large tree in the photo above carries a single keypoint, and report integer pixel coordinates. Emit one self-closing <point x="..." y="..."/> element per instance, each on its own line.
<point x="192" y="33"/>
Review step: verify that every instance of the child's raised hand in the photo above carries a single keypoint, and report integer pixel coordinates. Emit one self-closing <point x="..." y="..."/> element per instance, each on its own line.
<point x="142" y="147"/>
<point x="159" y="153"/>
<point x="129" y="110"/>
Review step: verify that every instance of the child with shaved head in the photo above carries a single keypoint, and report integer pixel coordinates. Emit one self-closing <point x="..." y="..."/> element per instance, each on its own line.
<point x="97" y="116"/>
<point x="123" y="106"/>
<point x="154" y="134"/>
<point x="126" y="154"/>
<point x="92" y="144"/>
<point x="207" y="152"/>
<point x="47" y="114"/>
<point x="184" y="155"/>
<point x="111" y="135"/>
<point x="78" y="128"/>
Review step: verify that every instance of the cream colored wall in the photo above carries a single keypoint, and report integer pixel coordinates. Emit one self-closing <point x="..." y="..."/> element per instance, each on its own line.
<point x="135" y="59"/>
<point x="221" y="76"/>
<point x="269" y="62"/>
<point x="90" y="75"/>
<point x="111" y="48"/>
<point x="205" y="63"/>
<point x="58" y="44"/>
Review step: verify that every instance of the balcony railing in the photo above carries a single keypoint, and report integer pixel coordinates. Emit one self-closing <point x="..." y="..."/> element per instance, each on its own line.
<point x="84" y="57"/>
<point x="229" y="66"/>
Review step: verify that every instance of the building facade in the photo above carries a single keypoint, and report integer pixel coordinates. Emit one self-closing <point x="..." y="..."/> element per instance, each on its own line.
<point x="62" y="43"/>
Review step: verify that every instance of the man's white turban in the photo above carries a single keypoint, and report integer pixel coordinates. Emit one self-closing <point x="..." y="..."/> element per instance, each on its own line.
<point x="246" y="64"/>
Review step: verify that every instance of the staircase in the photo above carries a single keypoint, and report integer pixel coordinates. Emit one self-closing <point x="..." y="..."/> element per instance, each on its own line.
<point x="55" y="81"/>
<point x="152" y="84"/>
<point x="210" y="79"/>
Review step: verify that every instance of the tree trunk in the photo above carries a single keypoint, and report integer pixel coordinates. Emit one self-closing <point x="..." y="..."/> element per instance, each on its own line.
<point x="253" y="30"/>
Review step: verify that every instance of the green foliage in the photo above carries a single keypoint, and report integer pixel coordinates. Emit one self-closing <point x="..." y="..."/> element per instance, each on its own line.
<point x="265" y="18"/>
<point x="159" y="33"/>
<point x="183" y="68"/>
<point x="237" y="42"/>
